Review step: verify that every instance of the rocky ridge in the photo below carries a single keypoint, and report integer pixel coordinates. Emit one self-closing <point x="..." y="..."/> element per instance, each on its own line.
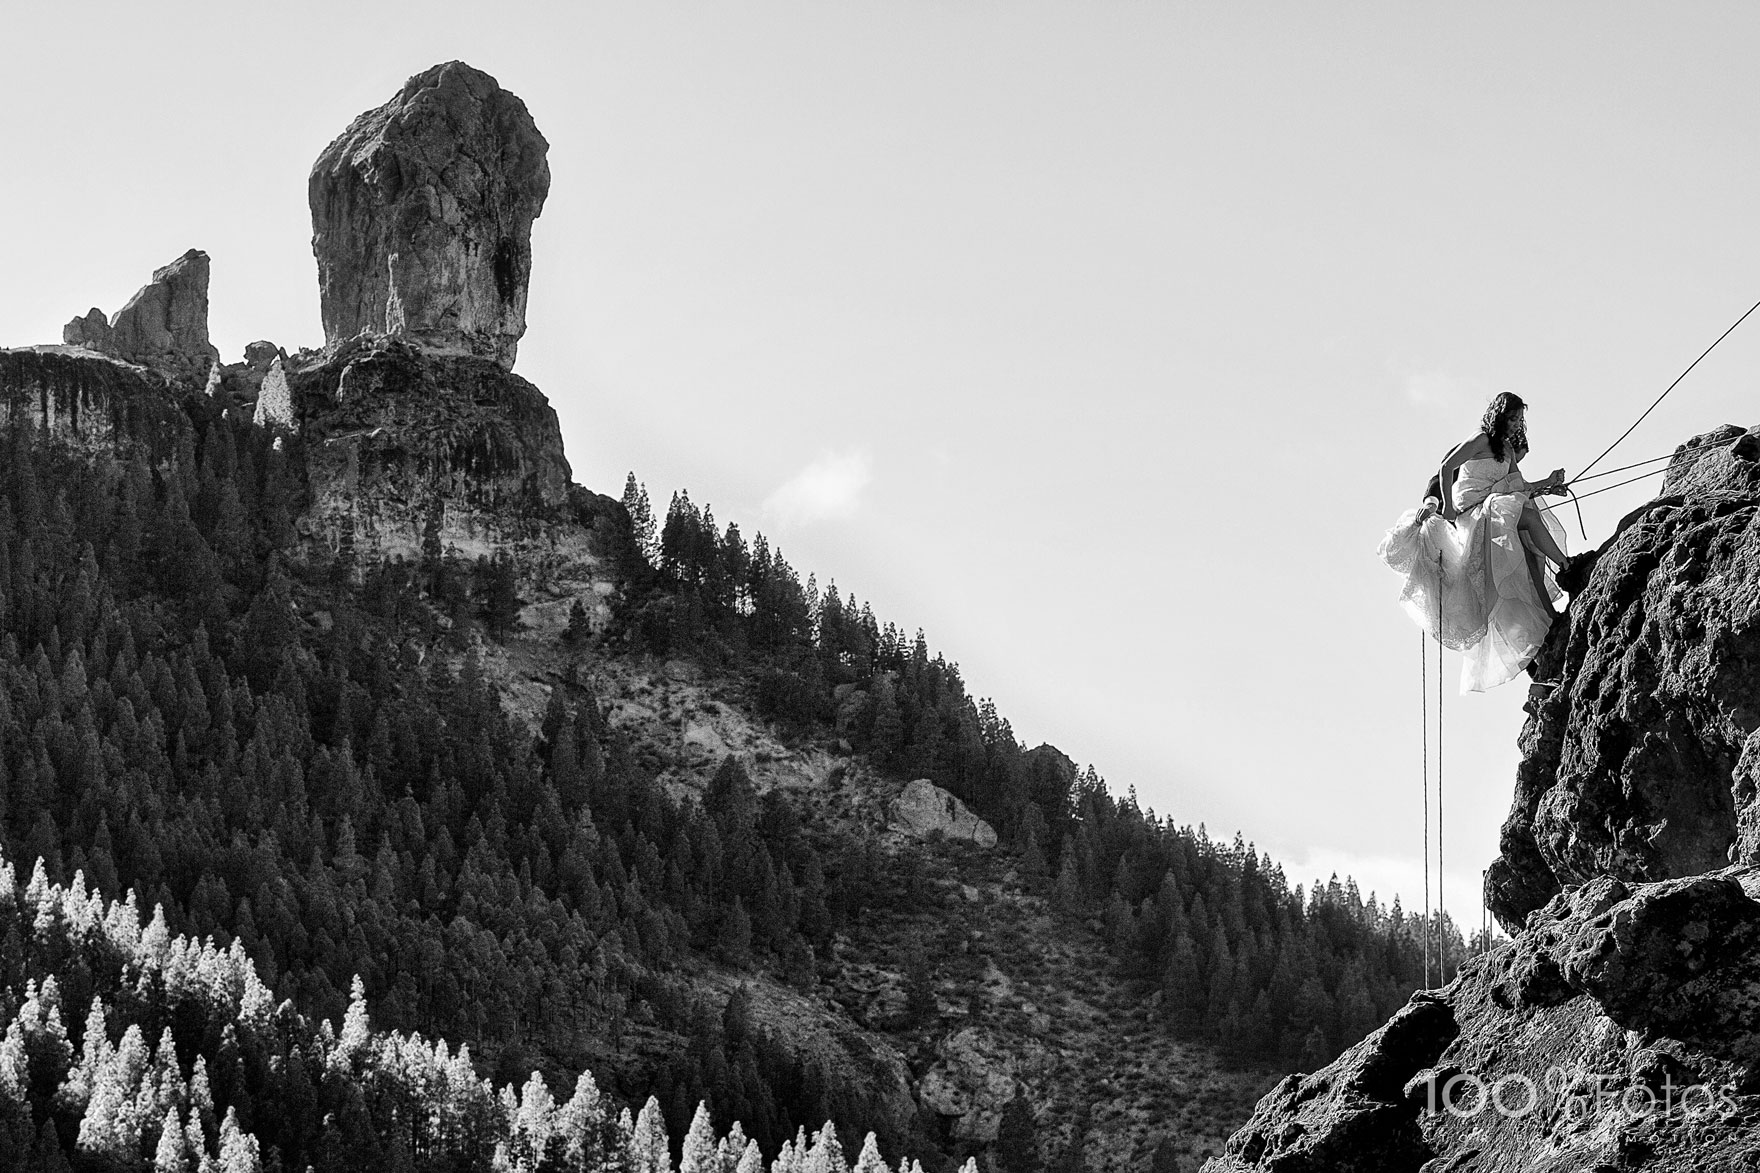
<point x="410" y="436"/>
<point x="414" y="437"/>
<point x="1620" y="1028"/>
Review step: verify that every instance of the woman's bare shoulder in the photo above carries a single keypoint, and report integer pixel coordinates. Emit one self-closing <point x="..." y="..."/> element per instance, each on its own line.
<point x="1478" y="445"/>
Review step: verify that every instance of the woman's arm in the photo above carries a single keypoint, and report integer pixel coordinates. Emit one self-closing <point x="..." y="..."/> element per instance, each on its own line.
<point x="1524" y="485"/>
<point x="1477" y="446"/>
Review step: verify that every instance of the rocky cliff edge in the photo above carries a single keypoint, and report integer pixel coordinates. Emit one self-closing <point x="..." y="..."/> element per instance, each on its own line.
<point x="1620" y="1028"/>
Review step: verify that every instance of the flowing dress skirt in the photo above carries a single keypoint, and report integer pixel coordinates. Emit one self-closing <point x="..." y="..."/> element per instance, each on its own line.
<point x="1467" y="583"/>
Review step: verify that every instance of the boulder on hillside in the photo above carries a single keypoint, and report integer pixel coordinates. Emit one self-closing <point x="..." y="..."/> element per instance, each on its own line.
<point x="970" y="1084"/>
<point x="422" y="216"/>
<point x="924" y="809"/>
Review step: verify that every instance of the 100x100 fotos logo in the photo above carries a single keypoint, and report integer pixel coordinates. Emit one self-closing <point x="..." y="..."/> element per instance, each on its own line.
<point x="1574" y="1092"/>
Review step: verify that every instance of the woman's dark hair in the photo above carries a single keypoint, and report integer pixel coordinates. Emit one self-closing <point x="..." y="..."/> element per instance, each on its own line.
<point x="1501" y="425"/>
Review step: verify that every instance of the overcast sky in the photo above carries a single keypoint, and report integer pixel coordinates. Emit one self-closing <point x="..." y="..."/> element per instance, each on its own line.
<point x="1100" y="340"/>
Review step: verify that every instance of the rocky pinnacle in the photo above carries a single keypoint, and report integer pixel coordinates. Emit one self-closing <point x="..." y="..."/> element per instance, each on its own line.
<point x="422" y="216"/>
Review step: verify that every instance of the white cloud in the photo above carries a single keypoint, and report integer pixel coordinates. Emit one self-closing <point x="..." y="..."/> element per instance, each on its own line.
<point x="828" y="488"/>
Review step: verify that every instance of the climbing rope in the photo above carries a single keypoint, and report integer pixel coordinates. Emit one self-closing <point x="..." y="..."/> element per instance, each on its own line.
<point x="1436" y="924"/>
<point x="1665" y="391"/>
<point x="1441" y="904"/>
<point x="1424" y="732"/>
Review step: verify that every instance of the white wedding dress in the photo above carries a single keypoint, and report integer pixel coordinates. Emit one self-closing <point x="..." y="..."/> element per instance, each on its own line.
<point x="1467" y="582"/>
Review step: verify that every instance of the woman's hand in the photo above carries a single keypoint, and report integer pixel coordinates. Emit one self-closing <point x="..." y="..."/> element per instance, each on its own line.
<point x="1552" y="486"/>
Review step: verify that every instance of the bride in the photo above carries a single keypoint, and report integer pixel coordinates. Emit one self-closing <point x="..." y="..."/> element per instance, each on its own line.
<point x="1478" y="558"/>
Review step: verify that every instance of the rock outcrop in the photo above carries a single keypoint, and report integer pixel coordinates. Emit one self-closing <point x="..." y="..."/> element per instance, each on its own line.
<point x="1644" y="763"/>
<point x="164" y="326"/>
<point x="1618" y="1031"/>
<point x="409" y="455"/>
<point x="970" y="1084"/>
<point x="1620" y="1028"/>
<point x="97" y="406"/>
<point x="924" y="809"/>
<point x="422" y="216"/>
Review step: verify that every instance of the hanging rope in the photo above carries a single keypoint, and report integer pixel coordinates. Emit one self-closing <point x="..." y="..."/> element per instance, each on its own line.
<point x="1666" y="390"/>
<point x="1438" y="922"/>
<point x="1424" y="732"/>
<point x="1441" y="904"/>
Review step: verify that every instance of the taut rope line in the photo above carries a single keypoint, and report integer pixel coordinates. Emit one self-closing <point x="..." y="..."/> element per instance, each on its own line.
<point x="1666" y="390"/>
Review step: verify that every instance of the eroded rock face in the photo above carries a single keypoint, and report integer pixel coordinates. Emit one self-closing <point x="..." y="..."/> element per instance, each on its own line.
<point x="91" y="331"/>
<point x="164" y="326"/>
<point x="422" y="216"/>
<point x="924" y="809"/>
<point x="94" y="405"/>
<point x="970" y="1084"/>
<point x="1645" y="763"/>
<point x="1618" y="1031"/>
<point x="410" y="455"/>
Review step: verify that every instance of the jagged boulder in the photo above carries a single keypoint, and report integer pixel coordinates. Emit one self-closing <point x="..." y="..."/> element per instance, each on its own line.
<point x="924" y="809"/>
<point x="422" y="216"/>
<point x="164" y="326"/>
<point x="1644" y="764"/>
<point x="91" y="331"/>
<point x="1617" y="1032"/>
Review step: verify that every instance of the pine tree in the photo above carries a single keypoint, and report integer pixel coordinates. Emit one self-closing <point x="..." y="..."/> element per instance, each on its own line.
<point x="1315" y="1053"/>
<point x="699" y="1144"/>
<point x="826" y="1154"/>
<point x="1031" y="836"/>
<point x="886" y="737"/>
<point x="869" y="1160"/>
<point x="649" y="1150"/>
<point x="1017" y="1149"/>
<point x="172" y="1153"/>
<point x="580" y="628"/>
<point x="641" y="518"/>
<point x="920" y="1006"/>
<point x="239" y="1152"/>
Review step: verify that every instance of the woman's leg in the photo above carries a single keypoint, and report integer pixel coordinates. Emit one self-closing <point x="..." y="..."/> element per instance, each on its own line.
<point x="1535" y="532"/>
<point x="1537" y="574"/>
